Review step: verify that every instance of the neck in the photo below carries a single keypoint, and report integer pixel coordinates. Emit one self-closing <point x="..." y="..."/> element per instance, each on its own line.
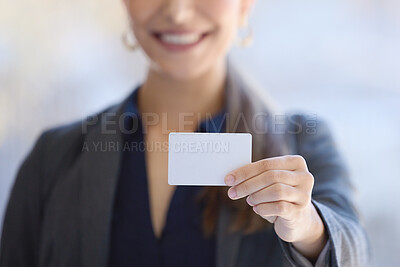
<point x="202" y="96"/>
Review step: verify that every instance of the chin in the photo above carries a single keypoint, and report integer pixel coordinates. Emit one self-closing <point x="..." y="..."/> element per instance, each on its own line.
<point x="182" y="72"/>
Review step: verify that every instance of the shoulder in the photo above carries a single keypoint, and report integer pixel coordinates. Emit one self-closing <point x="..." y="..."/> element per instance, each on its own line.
<point x="303" y="123"/>
<point x="308" y="130"/>
<point x="56" y="151"/>
<point x="66" y="134"/>
<point x="58" y="147"/>
<point x="311" y="136"/>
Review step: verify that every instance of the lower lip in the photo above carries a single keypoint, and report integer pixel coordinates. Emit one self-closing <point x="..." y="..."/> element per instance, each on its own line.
<point x="179" y="47"/>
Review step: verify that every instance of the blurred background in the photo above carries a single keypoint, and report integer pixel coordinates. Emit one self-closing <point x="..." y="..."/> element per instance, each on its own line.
<point x="340" y="59"/>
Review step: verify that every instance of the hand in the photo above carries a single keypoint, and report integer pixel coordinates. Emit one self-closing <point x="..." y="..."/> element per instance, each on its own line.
<point x="279" y="190"/>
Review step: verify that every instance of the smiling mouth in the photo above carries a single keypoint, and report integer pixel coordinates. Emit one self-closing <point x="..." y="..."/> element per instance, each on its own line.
<point x="179" y="41"/>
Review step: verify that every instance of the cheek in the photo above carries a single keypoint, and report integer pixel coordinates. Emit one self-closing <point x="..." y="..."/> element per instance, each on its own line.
<point x="222" y="9"/>
<point x="225" y="15"/>
<point x="141" y="11"/>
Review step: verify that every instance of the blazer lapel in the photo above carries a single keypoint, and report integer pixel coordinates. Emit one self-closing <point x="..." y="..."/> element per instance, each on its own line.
<point x="244" y="101"/>
<point x="228" y="243"/>
<point x="100" y="170"/>
<point x="252" y="111"/>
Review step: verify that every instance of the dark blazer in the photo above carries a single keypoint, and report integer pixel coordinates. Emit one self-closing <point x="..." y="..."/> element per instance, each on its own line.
<point x="59" y="210"/>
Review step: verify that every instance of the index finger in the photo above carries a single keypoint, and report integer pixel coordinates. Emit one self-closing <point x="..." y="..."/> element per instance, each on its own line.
<point x="289" y="163"/>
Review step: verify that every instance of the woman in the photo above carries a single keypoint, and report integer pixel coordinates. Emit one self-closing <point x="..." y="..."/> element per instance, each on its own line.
<point x="89" y="194"/>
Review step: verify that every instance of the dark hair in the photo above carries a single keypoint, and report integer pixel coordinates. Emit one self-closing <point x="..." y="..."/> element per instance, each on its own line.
<point x="245" y="219"/>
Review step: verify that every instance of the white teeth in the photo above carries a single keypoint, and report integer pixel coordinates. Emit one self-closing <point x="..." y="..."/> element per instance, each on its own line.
<point x="180" y="39"/>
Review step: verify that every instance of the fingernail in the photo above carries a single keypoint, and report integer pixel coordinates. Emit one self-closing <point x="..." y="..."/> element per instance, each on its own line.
<point x="255" y="209"/>
<point x="230" y="180"/>
<point x="232" y="193"/>
<point x="248" y="201"/>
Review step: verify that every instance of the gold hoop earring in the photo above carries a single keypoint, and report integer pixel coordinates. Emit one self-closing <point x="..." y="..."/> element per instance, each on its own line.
<point x="129" y="40"/>
<point x="247" y="38"/>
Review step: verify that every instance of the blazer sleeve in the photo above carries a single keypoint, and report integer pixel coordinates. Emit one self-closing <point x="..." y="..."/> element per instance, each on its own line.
<point x="22" y="222"/>
<point x="332" y="195"/>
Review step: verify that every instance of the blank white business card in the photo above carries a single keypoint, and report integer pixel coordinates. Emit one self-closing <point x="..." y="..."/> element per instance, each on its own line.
<point x="205" y="158"/>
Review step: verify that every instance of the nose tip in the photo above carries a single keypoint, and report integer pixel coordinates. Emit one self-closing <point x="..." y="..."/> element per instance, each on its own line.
<point x="178" y="11"/>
